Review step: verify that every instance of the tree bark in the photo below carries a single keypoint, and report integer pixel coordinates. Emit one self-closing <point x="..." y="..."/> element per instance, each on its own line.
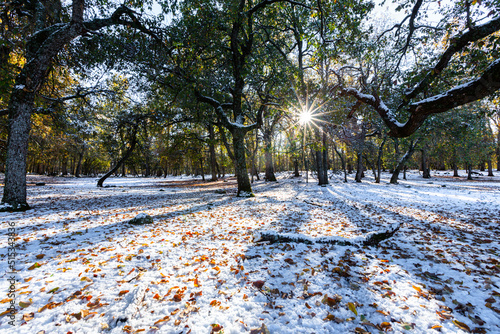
<point x="469" y="171"/>
<point x="324" y="150"/>
<point x="211" y="149"/>
<point x="79" y="163"/>
<point x="402" y="162"/>
<point x="498" y="146"/>
<point x="20" y="108"/>
<point x="120" y="162"/>
<point x="490" y="166"/>
<point x="426" y="173"/>
<point x="359" y="168"/>
<point x="342" y="161"/>
<point x="269" y="157"/>
<point x="241" y="171"/>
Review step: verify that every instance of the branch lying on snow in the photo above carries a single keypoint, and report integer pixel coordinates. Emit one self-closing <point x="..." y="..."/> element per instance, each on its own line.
<point x="370" y="239"/>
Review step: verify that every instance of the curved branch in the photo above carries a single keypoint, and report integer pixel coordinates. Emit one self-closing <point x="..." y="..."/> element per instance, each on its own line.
<point x="456" y="44"/>
<point x="485" y="85"/>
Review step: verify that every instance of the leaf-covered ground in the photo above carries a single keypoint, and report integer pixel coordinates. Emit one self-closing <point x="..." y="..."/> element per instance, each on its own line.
<point x="83" y="269"/>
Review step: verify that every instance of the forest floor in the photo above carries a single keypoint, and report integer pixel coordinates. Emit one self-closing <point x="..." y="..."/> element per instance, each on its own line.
<point x="81" y="268"/>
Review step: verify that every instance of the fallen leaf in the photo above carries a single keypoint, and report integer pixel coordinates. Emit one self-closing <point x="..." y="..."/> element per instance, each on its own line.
<point x="34" y="266"/>
<point x="352" y="307"/>
<point x="461" y="325"/>
<point x="24" y="304"/>
<point x="258" y="284"/>
<point x="121" y="293"/>
<point x="166" y="318"/>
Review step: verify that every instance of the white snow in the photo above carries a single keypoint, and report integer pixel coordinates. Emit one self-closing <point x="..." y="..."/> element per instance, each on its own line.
<point x="198" y="265"/>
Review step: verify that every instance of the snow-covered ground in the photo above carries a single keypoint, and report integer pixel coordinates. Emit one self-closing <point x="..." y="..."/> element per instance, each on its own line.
<point x="83" y="269"/>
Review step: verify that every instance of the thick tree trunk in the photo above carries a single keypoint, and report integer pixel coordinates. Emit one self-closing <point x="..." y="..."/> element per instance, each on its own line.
<point x="426" y="173"/>
<point x="64" y="166"/>
<point x="20" y="109"/>
<point x="241" y="171"/>
<point x="402" y="162"/>
<point x="268" y="153"/>
<point x="319" y="167"/>
<point x="122" y="160"/>
<point x="455" y="170"/>
<point x="359" y="168"/>
<point x="490" y="166"/>
<point x="469" y="171"/>
<point x="296" y="167"/>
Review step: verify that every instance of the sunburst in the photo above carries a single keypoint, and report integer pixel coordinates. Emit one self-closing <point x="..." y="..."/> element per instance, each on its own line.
<point x="306" y="111"/>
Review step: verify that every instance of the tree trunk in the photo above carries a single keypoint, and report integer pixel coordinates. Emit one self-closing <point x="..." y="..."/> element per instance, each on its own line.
<point x="122" y="160"/>
<point x="319" y="168"/>
<point x="342" y="160"/>
<point x="426" y="173"/>
<point x="469" y="171"/>
<point x="325" y="160"/>
<point x="79" y="163"/>
<point x="244" y="186"/>
<point x="455" y="170"/>
<point x="490" y="166"/>
<point x="296" y="167"/>
<point x="64" y="167"/>
<point x="211" y="149"/>
<point x="397" y="154"/>
<point x="269" y="158"/>
<point x="498" y="148"/>
<point x="20" y="109"/>
<point x="402" y="162"/>
<point x="359" y="168"/>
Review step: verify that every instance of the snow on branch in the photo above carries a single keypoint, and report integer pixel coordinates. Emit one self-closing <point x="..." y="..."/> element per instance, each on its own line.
<point x="477" y="89"/>
<point x="370" y="239"/>
<point x="224" y="119"/>
<point x="456" y="44"/>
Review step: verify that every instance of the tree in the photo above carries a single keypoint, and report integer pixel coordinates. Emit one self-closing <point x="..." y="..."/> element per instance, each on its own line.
<point x="427" y="95"/>
<point x="49" y="37"/>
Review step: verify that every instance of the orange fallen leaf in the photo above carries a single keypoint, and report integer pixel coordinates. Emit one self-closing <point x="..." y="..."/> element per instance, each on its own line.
<point x="121" y="293"/>
<point x="166" y="318"/>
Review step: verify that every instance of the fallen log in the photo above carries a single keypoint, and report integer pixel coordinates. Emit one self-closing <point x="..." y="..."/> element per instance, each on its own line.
<point x="370" y="239"/>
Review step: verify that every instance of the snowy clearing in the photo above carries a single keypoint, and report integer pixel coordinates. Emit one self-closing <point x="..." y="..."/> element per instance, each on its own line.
<point x="83" y="269"/>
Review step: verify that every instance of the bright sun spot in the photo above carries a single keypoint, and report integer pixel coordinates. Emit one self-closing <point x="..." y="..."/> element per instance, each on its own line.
<point x="305" y="117"/>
